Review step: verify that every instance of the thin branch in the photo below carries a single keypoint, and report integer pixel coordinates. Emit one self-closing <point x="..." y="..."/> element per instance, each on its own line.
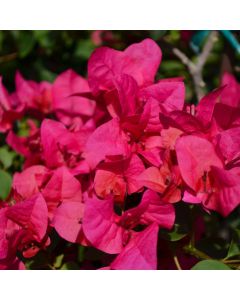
<point x="8" y="57"/>
<point x="203" y="256"/>
<point x="176" y="261"/>
<point x="207" y="48"/>
<point x="197" y="253"/>
<point x="196" y="69"/>
<point x="230" y="261"/>
<point x="183" y="57"/>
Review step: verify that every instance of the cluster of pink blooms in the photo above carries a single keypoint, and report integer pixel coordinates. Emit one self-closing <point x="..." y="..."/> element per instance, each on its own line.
<point x="101" y="143"/>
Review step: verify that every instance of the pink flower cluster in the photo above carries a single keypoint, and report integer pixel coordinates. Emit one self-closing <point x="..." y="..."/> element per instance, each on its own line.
<point x="112" y="154"/>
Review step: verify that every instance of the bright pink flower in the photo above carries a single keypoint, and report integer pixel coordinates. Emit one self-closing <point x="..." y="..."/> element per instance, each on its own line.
<point x="153" y="179"/>
<point x="195" y="157"/>
<point x="12" y="264"/>
<point x="169" y="93"/>
<point x="110" y="232"/>
<point x="181" y="120"/>
<point x="62" y="187"/>
<point x="11" y="108"/>
<point x="151" y="209"/>
<point x="203" y="171"/>
<point x="122" y="99"/>
<point x="37" y="96"/>
<point x="140" y="253"/>
<point x="222" y="192"/>
<point x="67" y="221"/>
<point x="107" y="140"/>
<point x="228" y="144"/>
<point x="61" y="146"/>
<point x="140" y="61"/>
<point x="225" y="196"/>
<point x="165" y="180"/>
<point x="226" y="116"/>
<point x="118" y="177"/>
<point x="26" y="145"/>
<point x="58" y="186"/>
<point x="231" y="93"/>
<point x="205" y="108"/>
<point x="151" y="149"/>
<point x="100" y="225"/>
<point x="29" y="182"/>
<point x="23" y="228"/>
<point x="71" y="97"/>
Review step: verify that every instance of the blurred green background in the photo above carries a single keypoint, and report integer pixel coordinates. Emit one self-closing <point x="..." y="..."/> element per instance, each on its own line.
<point x="41" y="55"/>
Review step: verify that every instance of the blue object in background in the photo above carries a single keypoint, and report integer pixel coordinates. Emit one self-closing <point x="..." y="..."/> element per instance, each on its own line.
<point x="198" y="38"/>
<point x="231" y="39"/>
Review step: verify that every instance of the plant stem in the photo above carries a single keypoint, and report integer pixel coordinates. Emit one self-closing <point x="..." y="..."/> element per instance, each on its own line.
<point x="195" y="252"/>
<point x="201" y="255"/>
<point x="230" y="261"/>
<point x="8" y="57"/>
<point x="196" y="69"/>
<point x="176" y="261"/>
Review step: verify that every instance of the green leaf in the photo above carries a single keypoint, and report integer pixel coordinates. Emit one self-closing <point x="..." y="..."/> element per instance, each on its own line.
<point x="5" y="184"/>
<point x="26" y="42"/>
<point x="209" y="264"/>
<point x="157" y="34"/>
<point x="58" y="261"/>
<point x="84" y="49"/>
<point x="6" y="157"/>
<point x="45" y="39"/>
<point x="174" y="235"/>
<point x="81" y="252"/>
<point x="234" y="248"/>
<point x="172" y="66"/>
<point x="70" y="266"/>
<point x="47" y="75"/>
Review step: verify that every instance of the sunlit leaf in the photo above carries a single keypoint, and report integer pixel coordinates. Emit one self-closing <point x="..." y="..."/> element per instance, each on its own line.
<point x="70" y="266"/>
<point x="5" y="184"/>
<point x="209" y="264"/>
<point x="6" y="157"/>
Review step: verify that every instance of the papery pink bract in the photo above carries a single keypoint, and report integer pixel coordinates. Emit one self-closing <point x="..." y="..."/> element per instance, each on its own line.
<point x="62" y="187"/>
<point x="71" y="97"/>
<point x="121" y="101"/>
<point x="168" y="93"/>
<point x="226" y="116"/>
<point x="68" y="221"/>
<point x="228" y="143"/>
<point x="25" y="227"/>
<point x="107" y="140"/>
<point x="140" y="253"/>
<point x="28" y="146"/>
<point x="119" y="177"/>
<point x="230" y="95"/>
<point x="140" y="61"/>
<point x="11" y="108"/>
<point x="153" y="179"/>
<point x="60" y="146"/>
<point x="100" y="225"/>
<point x="206" y="106"/>
<point x="151" y="210"/>
<point x="34" y="95"/>
<point x="195" y="157"/>
<point x="226" y="196"/>
<point x="29" y="182"/>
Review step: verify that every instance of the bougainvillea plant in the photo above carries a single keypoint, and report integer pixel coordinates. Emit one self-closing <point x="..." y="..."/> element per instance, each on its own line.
<point x="117" y="171"/>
